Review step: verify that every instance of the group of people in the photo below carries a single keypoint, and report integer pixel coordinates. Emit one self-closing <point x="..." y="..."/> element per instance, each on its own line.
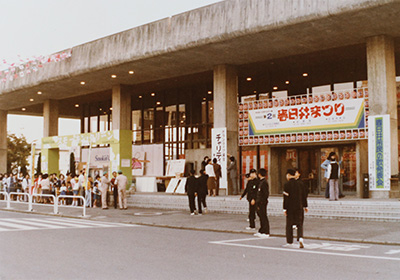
<point x="44" y="185"/>
<point x="214" y="172"/>
<point x="294" y="204"/>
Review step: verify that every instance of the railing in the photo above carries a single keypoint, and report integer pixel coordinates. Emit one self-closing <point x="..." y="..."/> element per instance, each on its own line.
<point x="30" y="202"/>
<point x="69" y="196"/>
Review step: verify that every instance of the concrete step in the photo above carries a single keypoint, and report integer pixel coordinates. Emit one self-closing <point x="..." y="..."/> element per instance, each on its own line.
<point x="371" y="210"/>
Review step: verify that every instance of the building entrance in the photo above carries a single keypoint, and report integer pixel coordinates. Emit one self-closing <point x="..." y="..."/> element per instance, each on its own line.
<point x="309" y="159"/>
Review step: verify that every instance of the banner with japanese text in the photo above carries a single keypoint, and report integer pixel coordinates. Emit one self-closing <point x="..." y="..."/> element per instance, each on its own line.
<point x="379" y="152"/>
<point x="219" y="151"/>
<point x="305" y="118"/>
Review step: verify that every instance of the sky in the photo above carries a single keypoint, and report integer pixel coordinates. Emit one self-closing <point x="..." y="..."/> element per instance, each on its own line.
<point x="41" y="27"/>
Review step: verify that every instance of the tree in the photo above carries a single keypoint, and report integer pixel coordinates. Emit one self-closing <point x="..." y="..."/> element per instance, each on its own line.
<point x="39" y="164"/>
<point x="18" y="151"/>
<point x="72" y="164"/>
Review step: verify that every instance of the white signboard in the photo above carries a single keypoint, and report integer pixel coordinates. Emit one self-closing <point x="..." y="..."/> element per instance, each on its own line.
<point x="379" y="152"/>
<point x="175" y="166"/>
<point x="99" y="157"/>
<point x="219" y="151"/>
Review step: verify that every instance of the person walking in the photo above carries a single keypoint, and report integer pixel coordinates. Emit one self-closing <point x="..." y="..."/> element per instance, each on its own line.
<point x="191" y="188"/>
<point x="104" y="185"/>
<point x="294" y="205"/>
<point x="232" y="172"/>
<point x="332" y="176"/>
<point x="262" y="203"/>
<point x="251" y="192"/>
<point x="202" y="191"/>
<point x="211" y="182"/>
<point x="121" y="181"/>
<point x="218" y="175"/>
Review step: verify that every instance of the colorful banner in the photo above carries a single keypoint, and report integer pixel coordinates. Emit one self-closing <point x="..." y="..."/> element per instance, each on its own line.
<point x="379" y="153"/>
<point x="219" y="151"/>
<point x="323" y="117"/>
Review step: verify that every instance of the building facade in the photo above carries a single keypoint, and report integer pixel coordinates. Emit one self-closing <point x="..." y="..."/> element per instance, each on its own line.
<point x="321" y="69"/>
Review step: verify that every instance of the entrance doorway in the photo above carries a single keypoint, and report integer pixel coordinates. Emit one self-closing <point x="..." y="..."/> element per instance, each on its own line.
<point x="308" y="160"/>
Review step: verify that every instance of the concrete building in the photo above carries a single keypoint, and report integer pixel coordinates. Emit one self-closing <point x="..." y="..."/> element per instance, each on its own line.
<point x="169" y="82"/>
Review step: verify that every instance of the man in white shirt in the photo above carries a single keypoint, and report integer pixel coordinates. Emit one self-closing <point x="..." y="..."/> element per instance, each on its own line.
<point x="121" y="182"/>
<point x="105" y="184"/>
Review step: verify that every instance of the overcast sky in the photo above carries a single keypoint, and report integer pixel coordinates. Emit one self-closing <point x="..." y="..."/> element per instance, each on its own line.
<point x="41" y="27"/>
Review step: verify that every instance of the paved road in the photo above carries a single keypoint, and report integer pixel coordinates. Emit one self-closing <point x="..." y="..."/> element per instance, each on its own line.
<point x="44" y="247"/>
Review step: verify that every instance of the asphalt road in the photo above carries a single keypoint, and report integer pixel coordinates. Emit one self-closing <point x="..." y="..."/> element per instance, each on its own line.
<point x="45" y="247"/>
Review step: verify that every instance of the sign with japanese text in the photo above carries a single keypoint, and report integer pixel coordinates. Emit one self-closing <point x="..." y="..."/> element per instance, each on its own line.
<point x="379" y="153"/>
<point x="305" y="118"/>
<point x="219" y="151"/>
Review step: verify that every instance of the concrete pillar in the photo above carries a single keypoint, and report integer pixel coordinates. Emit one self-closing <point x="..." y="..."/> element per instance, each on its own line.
<point x="3" y="141"/>
<point x="50" y="118"/>
<point x="50" y="157"/>
<point x="122" y="112"/>
<point x="225" y="104"/>
<point x="121" y="153"/>
<point x="382" y="87"/>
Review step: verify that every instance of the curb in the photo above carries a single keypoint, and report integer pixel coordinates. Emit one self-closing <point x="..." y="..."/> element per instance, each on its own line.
<point x="336" y="239"/>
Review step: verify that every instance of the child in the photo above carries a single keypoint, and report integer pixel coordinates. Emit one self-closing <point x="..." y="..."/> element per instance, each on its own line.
<point x="63" y="191"/>
<point x="191" y="190"/>
<point x="96" y="194"/>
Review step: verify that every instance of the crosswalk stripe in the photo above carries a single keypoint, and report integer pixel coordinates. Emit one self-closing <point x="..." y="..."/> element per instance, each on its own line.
<point x="14" y="226"/>
<point x="21" y="221"/>
<point x="63" y="223"/>
<point x="92" y="223"/>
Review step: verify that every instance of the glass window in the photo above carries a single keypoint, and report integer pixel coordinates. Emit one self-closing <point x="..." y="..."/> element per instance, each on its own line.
<point x="103" y="123"/>
<point x="249" y="161"/>
<point x="93" y="124"/>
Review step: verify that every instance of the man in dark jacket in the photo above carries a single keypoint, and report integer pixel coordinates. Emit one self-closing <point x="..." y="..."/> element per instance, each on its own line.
<point x="218" y="174"/>
<point x="294" y="201"/>
<point x="261" y="204"/>
<point x="191" y="189"/>
<point x="251" y="191"/>
<point x="202" y="191"/>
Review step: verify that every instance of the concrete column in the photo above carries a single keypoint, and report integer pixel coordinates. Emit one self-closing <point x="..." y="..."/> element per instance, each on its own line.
<point x="122" y="112"/>
<point x="50" y="157"/>
<point x="225" y="104"/>
<point x="121" y="153"/>
<point x="3" y="141"/>
<point x="382" y="87"/>
<point x="50" y="118"/>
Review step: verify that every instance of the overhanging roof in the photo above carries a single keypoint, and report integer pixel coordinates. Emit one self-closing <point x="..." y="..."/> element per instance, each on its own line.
<point x="231" y="32"/>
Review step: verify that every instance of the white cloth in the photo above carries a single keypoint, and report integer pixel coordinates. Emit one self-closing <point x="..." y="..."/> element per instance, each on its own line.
<point x="121" y="181"/>
<point x="45" y="183"/>
<point x="210" y="170"/>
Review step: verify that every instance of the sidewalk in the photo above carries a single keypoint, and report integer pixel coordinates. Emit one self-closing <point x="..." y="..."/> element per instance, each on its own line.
<point x="314" y="228"/>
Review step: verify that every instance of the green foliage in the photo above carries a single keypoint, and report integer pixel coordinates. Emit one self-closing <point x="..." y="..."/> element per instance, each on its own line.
<point x="18" y="151"/>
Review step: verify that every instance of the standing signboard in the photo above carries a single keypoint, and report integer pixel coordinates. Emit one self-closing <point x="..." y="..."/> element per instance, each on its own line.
<point x="379" y="152"/>
<point x="219" y="151"/>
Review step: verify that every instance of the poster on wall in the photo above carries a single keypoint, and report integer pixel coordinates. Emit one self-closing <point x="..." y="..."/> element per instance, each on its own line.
<point x="147" y="160"/>
<point x="219" y="151"/>
<point x="379" y="153"/>
<point x="138" y="163"/>
<point x="176" y="166"/>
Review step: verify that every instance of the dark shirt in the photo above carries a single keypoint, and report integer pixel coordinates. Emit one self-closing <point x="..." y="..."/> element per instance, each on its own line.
<point x="191" y="185"/>
<point x="251" y="189"/>
<point x="202" y="184"/>
<point x="295" y="195"/>
<point x="262" y="192"/>
<point x="334" y="171"/>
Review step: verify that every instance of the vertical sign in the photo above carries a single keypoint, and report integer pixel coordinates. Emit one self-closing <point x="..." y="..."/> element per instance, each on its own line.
<point x="219" y="151"/>
<point x="379" y="152"/>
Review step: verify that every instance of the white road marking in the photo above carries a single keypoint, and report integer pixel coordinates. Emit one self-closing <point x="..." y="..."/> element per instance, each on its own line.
<point x="301" y="251"/>
<point x="393" y="252"/>
<point x="23" y="224"/>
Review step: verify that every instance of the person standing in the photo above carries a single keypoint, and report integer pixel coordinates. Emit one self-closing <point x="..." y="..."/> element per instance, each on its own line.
<point x="211" y="184"/>
<point x="251" y="191"/>
<point x="332" y="175"/>
<point x="294" y="205"/>
<point x="191" y="188"/>
<point x="262" y="203"/>
<point x="218" y="175"/>
<point x="324" y="166"/>
<point x="105" y="183"/>
<point x="202" y="191"/>
<point x="204" y="162"/>
<point x="26" y="183"/>
<point x="114" y="189"/>
<point x="121" y="181"/>
<point x="232" y="172"/>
